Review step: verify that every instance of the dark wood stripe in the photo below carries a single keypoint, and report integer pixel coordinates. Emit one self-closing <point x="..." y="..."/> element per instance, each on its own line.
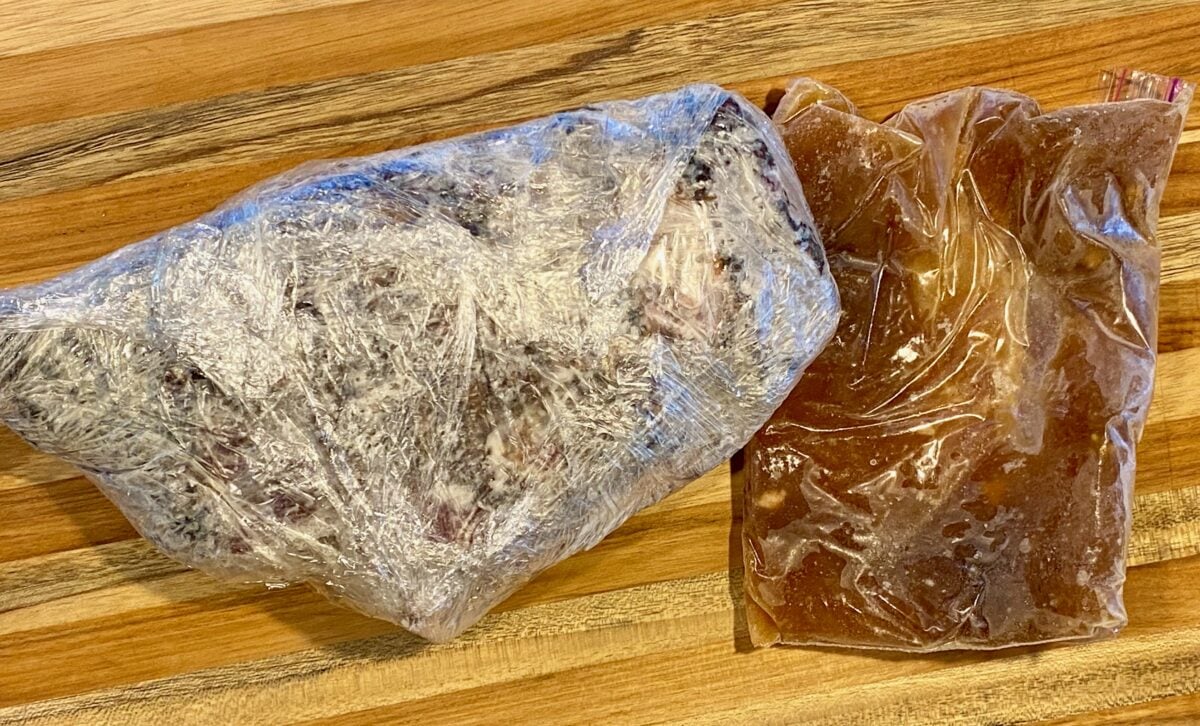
<point x="49" y="234"/>
<point x="1179" y="314"/>
<point x="1166" y="526"/>
<point x="1168" y="456"/>
<point x="22" y="465"/>
<point x="1183" y="188"/>
<point x="504" y="637"/>
<point x="750" y="678"/>
<point x="401" y="105"/>
<point x="676" y="544"/>
<point x="154" y="642"/>
<point x="180" y="66"/>
<point x="1181" y="710"/>
<point x="56" y="517"/>
<point x="33" y="581"/>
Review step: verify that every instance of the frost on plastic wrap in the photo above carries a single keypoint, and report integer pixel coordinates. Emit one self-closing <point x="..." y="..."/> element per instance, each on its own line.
<point x="955" y="470"/>
<point x="419" y="378"/>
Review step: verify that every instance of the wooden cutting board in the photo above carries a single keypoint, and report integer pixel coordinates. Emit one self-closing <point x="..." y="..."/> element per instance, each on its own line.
<point x="120" y="118"/>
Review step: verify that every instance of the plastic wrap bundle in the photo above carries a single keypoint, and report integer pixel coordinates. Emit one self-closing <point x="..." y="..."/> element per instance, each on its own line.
<point x="419" y="378"/>
<point x="956" y="469"/>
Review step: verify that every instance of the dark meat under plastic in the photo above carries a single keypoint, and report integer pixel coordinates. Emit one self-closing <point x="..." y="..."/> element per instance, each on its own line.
<point x="417" y="379"/>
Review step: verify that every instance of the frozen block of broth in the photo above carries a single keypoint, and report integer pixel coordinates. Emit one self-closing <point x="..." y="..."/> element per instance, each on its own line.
<point x="955" y="470"/>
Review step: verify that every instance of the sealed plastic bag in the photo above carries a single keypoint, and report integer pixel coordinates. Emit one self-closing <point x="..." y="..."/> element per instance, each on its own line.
<point x="956" y="469"/>
<point x="419" y="378"/>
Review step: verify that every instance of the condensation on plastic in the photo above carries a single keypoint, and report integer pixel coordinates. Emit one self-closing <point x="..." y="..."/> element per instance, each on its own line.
<point x="417" y="379"/>
<point x="955" y="470"/>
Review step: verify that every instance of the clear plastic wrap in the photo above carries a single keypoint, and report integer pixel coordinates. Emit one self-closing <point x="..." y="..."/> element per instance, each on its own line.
<point x="417" y="379"/>
<point x="955" y="470"/>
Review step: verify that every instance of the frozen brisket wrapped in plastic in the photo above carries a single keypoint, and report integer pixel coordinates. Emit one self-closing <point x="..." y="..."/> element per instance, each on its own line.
<point x="419" y="378"/>
<point x="955" y="470"/>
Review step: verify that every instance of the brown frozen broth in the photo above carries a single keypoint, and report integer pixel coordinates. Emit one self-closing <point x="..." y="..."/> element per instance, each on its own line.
<point x="956" y="469"/>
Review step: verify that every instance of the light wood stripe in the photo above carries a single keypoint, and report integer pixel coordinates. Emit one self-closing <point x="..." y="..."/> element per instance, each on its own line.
<point x="33" y="581"/>
<point x="731" y="682"/>
<point x="298" y="47"/>
<point x="1175" y="395"/>
<point x="1166" y="526"/>
<point x="1179" y="292"/>
<point x="1179" y="317"/>
<point x="614" y="622"/>
<point x="22" y="466"/>
<point x="682" y="628"/>
<point x="36" y="589"/>
<point x="1173" y="710"/>
<point x="1179" y="238"/>
<point x="67" y="587"/>
<point x="35" y="25"/>
<point x="58" y="516"/>
<point x="1183" y="188"/>
<point x="421" y="100"/>
<point x="797" y="682"/>
<point x="1167" y="456"/>
<point x="57" y="232"/>
<point x="1072" y="679"/>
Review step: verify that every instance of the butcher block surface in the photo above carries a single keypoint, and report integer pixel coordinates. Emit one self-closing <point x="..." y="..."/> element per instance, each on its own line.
<point x="121" y="118"/>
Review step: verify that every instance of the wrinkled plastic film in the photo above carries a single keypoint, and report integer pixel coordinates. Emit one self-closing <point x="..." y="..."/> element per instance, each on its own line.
<point x="417" y="379"/>
<point x="956" y="469"/>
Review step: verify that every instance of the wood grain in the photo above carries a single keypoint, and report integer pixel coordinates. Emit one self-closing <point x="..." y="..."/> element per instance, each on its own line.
<point x="278" y="50"/>
<point x="118" y="119"/>
<point x="33" y="25"/>
<point x="409" y="103"/>
<point x="1179" y="710"/>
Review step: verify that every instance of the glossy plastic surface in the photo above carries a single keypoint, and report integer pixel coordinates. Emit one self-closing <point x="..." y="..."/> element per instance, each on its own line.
<point x="955" y="470"/>
<point x="419" y="378"/>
